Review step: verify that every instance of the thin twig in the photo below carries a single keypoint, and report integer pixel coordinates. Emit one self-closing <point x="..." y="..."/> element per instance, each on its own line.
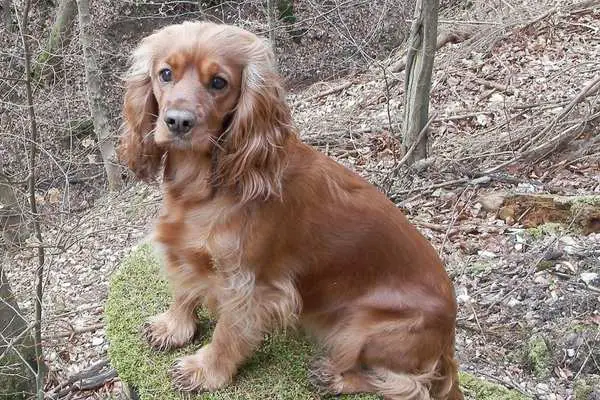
<point x="463" y="116"/>
<point x="586" y="358"/>
<point x="83" y="380"/>
<point x="16" y="339"/>
<point x="39" y="273"/>
<point x="455" y="36"/>
<point x="25" y="362"/>
<point x="77" y="331"/>
<point x="588" y="90"/>
<point x="333" y="90"/>
<point x="412" y="148"/>
<point x="435" y="186"/>
<point x="493" y="85"/>
<point x="561" y="138"/>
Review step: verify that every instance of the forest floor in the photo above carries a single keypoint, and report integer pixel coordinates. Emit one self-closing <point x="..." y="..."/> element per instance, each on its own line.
<point x="529" y="296"/>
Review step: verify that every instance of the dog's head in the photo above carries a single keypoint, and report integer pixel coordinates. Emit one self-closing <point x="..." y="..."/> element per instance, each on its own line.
<point x="205" y="87"/>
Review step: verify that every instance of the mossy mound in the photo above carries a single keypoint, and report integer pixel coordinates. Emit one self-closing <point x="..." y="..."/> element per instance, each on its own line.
<point x="277" y="371"/>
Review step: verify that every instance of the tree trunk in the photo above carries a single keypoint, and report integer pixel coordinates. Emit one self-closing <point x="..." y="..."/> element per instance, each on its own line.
<point x="272" y="22"/>
<point x="49" y="58"/>
<point x="97" y="100"/>
<point x="419" y="66"/>
<point x="17" y="353"/>
<point x="41" y="369"/>
<point x="12" y="226"/>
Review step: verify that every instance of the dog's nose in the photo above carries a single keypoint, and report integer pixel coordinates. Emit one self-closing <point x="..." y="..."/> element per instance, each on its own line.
<point x="179" y="122"/>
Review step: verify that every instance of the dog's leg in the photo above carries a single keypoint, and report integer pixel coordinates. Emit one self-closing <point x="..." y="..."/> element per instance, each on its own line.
<point x="214" y="365"/>
<point x="239" y="330"/>
<point x="177" y="326"/>
<point x="173" y="328"/>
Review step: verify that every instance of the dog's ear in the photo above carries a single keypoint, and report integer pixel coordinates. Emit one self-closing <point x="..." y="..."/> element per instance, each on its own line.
<point x="254" y="156"/>
<point x="140" y="110"/>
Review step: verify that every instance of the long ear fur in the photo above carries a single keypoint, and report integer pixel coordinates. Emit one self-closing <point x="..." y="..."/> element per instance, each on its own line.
<point x="140" y="110"/>
<point x="253" y="157"/>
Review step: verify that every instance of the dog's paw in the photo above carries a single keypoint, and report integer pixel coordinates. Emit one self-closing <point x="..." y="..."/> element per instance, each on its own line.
<point x="165" y="332"/>
<point x="196" y="373"/>
<point x="323" y="376"/>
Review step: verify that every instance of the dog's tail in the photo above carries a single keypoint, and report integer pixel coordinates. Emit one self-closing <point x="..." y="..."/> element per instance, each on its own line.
<point x="441" y="383"/>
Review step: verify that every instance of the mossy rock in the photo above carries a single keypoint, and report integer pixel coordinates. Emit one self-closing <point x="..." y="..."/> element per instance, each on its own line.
<point x="277" y="371"/>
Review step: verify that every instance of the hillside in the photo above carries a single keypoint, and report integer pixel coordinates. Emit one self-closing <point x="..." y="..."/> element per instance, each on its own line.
<point x="515" y="111"/>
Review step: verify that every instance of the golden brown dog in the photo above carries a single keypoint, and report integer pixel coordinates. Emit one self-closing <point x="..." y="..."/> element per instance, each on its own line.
<point x="266" y="232"/>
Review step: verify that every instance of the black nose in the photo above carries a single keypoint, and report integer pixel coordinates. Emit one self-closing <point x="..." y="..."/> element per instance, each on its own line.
<point x="179" y="122"/>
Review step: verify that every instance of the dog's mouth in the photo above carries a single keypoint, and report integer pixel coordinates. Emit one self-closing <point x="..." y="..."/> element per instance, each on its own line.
<point x="163" y="137"/>
<point x="197" y="139"/>
<point x="199" y="136"/>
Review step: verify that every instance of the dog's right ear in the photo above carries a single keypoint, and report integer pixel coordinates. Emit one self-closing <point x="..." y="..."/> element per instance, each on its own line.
<point x="140" y="110"/>
<point x="253" y="156"/>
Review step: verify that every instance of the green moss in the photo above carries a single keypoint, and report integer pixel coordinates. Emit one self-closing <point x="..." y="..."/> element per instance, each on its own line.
<point x="285" y="10"/>
<point x="545" y="265"/>
<point x="585" y="387"/>
<point x="550" y="228"/>
<point x="582" y="201"/>
<point x="480" y="389"/>
<point x="539" y="356"/>
<point x="277" y="371"/>
<point x="580" y="328"/>
<point x="479" y="268"/>
<point x="82" y="127"/>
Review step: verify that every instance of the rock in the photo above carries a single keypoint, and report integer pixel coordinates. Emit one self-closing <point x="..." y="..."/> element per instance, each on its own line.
<point x="423" y="165"/>
<point x="588" y="277"/>
<point x="492" y="201"/>
<point x="97" y="341"/>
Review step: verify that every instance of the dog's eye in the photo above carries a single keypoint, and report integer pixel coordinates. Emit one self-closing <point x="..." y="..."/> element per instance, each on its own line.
<point x="166" y="75"/>
<point x="218" y="83"/>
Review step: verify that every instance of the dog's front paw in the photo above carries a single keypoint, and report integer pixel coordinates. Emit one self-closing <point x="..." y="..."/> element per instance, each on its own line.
<point x="167" y="331"/>
<point x="199" y="372"/>
<point x="323" y="376"/>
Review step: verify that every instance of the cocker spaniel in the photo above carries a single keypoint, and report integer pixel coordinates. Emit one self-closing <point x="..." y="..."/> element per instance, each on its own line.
<point x="266" y="232"/>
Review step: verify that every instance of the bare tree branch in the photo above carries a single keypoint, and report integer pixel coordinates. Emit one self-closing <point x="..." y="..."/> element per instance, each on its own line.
<point x="39" y="273"/>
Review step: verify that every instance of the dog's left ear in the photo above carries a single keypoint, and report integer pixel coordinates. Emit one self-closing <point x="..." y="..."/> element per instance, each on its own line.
<point x="254" y="157"/>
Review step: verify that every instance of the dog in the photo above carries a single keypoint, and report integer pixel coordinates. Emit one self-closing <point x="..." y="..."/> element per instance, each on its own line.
<point x="265" y="232"/>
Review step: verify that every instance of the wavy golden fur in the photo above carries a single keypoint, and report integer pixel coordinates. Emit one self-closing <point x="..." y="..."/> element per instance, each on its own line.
<point x="266" y="232"/>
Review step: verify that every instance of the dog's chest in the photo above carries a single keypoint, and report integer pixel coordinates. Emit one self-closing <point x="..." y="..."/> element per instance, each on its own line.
<point x="212" y="227"/>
